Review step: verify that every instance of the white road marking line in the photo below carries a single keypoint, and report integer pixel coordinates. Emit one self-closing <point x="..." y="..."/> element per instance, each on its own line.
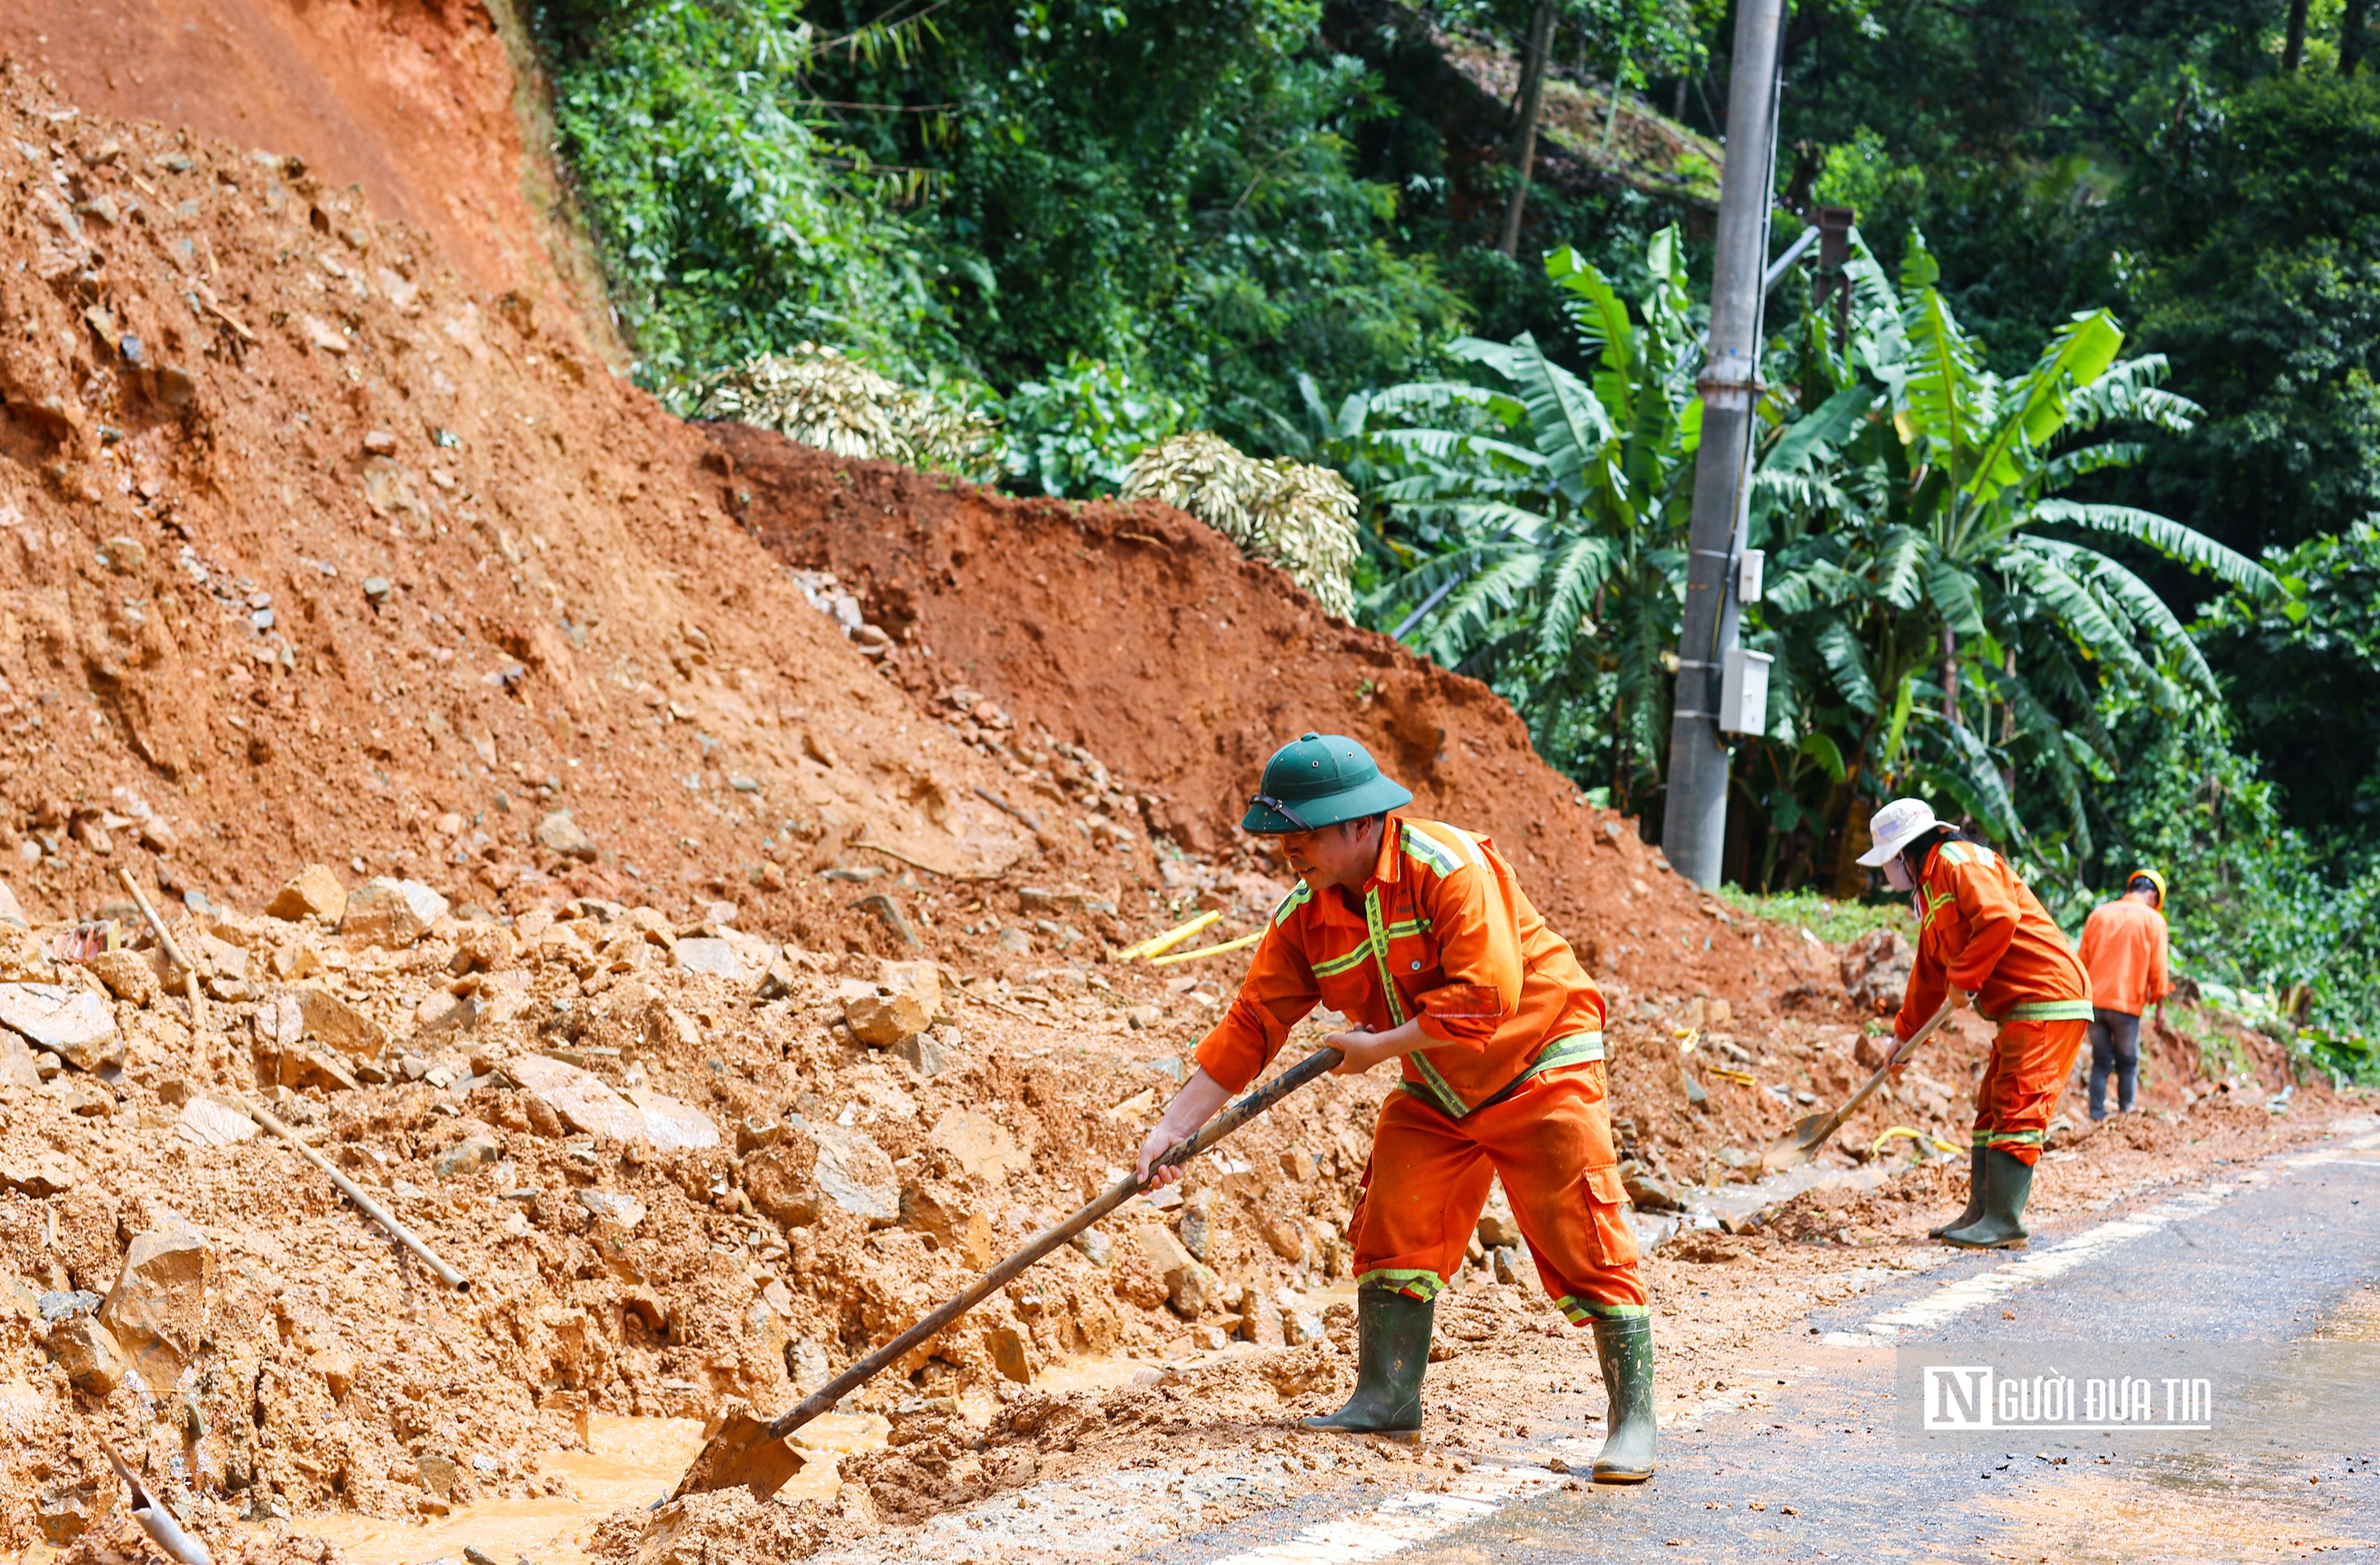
<point x="1967" y="1293"/>
<point x="1401" y="1521"/>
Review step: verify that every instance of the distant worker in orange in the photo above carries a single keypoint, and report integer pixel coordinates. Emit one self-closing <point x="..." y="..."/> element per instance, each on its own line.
<point x="2124" y="952"/>
<point x="1982" y="934"/>
<point x="1420" y="933"/>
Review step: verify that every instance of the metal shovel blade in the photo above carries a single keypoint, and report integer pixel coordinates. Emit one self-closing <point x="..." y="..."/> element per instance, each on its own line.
<point x="742" y="1453"/>
<point x="1800" y="1144"/>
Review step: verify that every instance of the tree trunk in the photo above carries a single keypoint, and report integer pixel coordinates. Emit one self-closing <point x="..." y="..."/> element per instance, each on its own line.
<point x="2007" y="726"/>
<point x="2350" y="36"/>
<point x="2293" y="50"/>
<point x="1950" y="676"/>
<point x="1524" y="150"/>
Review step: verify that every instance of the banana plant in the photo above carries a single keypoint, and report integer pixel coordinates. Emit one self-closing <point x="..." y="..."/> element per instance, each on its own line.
<point x="1945" y="614"/>
<point x="1541" y="514"/>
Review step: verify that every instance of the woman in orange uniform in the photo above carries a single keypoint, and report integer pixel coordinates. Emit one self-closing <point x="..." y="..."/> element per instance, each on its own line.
<point x="1420" y="933"/>
<point x="1981" y="934"/>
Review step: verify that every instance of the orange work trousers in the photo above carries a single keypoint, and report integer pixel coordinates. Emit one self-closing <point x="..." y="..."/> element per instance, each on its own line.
<point x="2029" y="1063"/>
<point x="1550" y="1143"/>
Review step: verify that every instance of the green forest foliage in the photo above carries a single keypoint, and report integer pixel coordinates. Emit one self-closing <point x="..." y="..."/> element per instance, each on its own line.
<point x="1106" y="225"/>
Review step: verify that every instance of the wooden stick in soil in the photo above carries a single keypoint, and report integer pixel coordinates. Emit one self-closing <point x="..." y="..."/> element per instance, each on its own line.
<point x="745" y="1452"/>
<point x="173" y="952"/>
<point x="354" y="1193"/>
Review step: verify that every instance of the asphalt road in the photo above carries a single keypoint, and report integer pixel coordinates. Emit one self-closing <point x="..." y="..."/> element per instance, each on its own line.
<point x="2279" y="1251"/>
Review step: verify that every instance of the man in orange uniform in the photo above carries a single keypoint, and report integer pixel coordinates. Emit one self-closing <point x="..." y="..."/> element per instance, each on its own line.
<point x="2123" y="949"/>
<point x="1420" y="933"/>
<point x="1982" y="933"/>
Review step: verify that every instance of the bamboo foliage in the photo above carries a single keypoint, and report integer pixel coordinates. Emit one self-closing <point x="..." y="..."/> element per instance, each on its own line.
<point x="1299" y="518"/>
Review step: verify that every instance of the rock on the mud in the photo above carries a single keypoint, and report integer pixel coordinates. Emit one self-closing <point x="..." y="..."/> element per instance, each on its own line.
<point x="315" y="892"/>
<point x="927" y="1053"/>
<point x="10" y="912"/>
<point x="1191" y="1290"/>
<point x="68" y="1511"/>
<point x="467" y="1156"/>
<point x="17" y="1067"/>
<point x="612" y="1206"/>
<point x="38" y="1175"/>
<point x="131" y="975"/>
<point x="1299" y="1327"/>
<point x="579" y="1098"/>
<point x="781" y="1179"/>
<point x="206" y="1122"/>
<point x="880" y="1021"/>
<point x="673" y="1125"/>
<point x="708" y="953"/>
<point x="158" y="1308"/>
<point x="329" y="1019"/>
<point x="805" y="1363"/>
<point x="1006" y="1346"/>
<point x="982" y="1145"/>
<point x="957" y="1224"/>
<point x="74" y="1025"/>
<point x="86" y="1351"/>
<point x="1648" y="1191"/>
<point x="557" y="833"/>
<point x="384" y="911"/>
<point x="1197" y="1223"/>
<point x="1876" y="970"/>
<point x="854" y="1172"/>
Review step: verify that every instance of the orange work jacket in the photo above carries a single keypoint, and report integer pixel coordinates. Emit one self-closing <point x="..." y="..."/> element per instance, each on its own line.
<point x="1979" y="927"/>
<point x="2123" y="949"/>
<point x="1440" y="931"/>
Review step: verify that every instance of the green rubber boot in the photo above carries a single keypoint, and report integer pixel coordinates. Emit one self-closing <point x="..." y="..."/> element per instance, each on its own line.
<point x="1626" y="1349"/>
<point x="1975" y="1196"/>
<point x="1393" y="1331"/>
<point x="2006" y="1184"/>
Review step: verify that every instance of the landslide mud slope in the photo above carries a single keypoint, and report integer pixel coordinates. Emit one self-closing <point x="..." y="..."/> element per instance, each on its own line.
<point x="1145" y="636"/>
<point x="315" y="552"/>
<point x="411" y="101"/>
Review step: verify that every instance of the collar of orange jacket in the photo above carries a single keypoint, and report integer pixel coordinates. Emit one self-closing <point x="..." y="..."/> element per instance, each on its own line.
<point x="1390" y="864"/>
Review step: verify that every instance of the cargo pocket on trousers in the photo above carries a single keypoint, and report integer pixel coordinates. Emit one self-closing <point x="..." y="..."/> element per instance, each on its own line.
<point x="1606" y="1214"/>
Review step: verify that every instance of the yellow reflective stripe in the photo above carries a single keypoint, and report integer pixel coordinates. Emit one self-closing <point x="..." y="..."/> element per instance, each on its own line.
<point x="1420" y="1284"/>
<point x="1954" y="853"/>
<point x="1568" y="1050"/>
<point x="1470" y="847"/>
<point x="1581" y="1311"/>
<point x="1932" y="906"/>
<point x="1338" y="965"/>
<point x="1427" y="850"/>
<point x="2022" y="1137"/>
<point x="1380" y="956"/>
<point x="1291" y="902"/>
<point x="2044" y="1010"/>
<point x="1452" y="1106"/>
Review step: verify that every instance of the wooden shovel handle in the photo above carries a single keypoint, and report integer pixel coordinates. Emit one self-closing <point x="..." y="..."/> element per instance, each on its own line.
<point x="1233" y="1115"/>
<point x="1934" y="1023"/>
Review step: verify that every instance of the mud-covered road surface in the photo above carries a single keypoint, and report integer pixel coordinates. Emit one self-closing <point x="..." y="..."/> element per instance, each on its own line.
<point x="1805" y="1458"/>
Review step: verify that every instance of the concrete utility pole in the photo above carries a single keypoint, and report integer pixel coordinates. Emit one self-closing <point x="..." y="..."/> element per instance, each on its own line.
<point x="1693" y="831"/>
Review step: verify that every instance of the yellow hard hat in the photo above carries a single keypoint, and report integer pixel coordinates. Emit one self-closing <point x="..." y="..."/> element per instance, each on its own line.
<point x="2153" y="879"/>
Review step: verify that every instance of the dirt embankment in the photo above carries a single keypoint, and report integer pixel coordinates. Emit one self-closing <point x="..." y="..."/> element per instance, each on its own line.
<point x="413" y="101"/>
<point x="315" y="552"/>
<point x="1146" y="636"/>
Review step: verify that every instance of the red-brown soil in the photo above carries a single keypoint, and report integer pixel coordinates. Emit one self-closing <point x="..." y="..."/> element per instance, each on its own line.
<point x="412" y="100"/>
<point x="1149" y="638"/>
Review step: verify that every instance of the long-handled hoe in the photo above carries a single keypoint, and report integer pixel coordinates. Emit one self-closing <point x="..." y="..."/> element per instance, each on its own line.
<point x="746" y="1452"/>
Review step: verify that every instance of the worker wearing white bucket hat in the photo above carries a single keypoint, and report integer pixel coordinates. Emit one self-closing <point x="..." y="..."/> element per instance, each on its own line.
<point x="1981" y="932"/>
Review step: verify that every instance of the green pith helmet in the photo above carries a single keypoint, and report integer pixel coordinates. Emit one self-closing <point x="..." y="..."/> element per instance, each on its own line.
<point x="1320" y="780"/>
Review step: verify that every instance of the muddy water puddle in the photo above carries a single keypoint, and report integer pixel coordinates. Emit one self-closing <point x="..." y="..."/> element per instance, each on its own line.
<point x="630" y="1461"/>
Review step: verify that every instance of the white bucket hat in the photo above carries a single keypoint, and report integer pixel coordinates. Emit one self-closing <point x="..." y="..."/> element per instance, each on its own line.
<point x="1896" y="826"/>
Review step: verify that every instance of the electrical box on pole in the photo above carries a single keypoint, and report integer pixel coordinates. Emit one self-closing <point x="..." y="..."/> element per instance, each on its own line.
<point x="1744" y="691"/>
<point x="1716" y="693"/>
<point x="1751" y="566"/>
